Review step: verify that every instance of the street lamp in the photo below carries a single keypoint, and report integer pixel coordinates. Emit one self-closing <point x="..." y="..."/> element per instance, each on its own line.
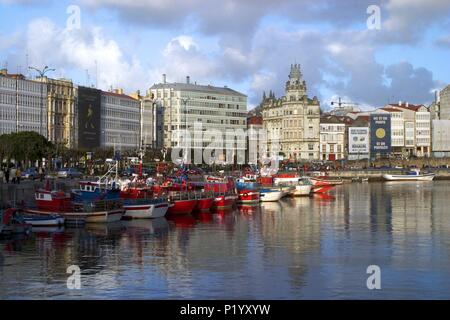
<point x="42" y="74"/>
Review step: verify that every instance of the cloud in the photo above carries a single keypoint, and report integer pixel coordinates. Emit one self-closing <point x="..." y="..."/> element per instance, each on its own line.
<point x="78" y="50"/>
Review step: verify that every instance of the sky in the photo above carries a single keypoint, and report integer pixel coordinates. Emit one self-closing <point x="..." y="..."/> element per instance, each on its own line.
<point x="345" y="48"/>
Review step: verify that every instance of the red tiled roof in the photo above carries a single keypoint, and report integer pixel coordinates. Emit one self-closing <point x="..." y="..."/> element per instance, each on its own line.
<point x="388" y="109"/>
<point x="413" y="107"/>
<point x="255" y="120"/>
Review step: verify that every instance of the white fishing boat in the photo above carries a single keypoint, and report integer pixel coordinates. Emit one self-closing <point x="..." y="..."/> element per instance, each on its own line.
<point x="413" y="175"/>
<point x="302" y="190"/>
<point x="270" y="194"/>
<point x="146" y="210"/>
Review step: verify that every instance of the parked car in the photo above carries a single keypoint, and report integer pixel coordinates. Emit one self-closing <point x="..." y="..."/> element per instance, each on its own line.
<point x="69" y="173"/>
<point x="30" y="173"/>
<point x="128" y="172"/>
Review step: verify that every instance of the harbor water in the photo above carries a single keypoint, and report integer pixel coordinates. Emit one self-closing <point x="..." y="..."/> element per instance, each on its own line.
<point x="299" y="248"/>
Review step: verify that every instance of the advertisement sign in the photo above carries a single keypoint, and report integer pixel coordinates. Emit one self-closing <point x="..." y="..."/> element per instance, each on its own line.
<point x="88" y="117"/>
<point x="380" y="133"/>
<point x="358" y="140"/>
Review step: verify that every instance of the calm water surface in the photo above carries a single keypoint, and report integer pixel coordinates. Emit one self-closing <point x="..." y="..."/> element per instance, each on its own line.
<point x="299" y="248"/>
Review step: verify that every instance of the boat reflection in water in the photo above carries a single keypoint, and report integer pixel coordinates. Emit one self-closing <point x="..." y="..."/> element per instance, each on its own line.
<point x="312" y="247"/>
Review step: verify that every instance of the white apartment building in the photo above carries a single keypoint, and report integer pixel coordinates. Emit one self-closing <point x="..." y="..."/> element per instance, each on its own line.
<point x="120" y="121"/>
<point x="292" y="121"/>
<point x="23" y="104"/>
<point x="187" y="105"/>
<point x="332" y="139"/>
<point x="417" y="128"/>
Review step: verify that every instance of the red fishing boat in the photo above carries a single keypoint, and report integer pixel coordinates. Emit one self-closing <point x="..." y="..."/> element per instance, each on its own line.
<point x="204" y="204"/>
<point x="182" y="206"/>
<point x="55" y="201"/>
<point x="248" y="196"/>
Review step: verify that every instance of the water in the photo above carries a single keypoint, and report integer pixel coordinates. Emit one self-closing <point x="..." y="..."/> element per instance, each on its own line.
<point x="316" y="248"/>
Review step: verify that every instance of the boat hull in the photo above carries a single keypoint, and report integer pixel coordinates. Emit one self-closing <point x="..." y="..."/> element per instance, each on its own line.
<point x="248" y="197"/>
<point x="422" y="177"/>
<point x="269" y="196"/>
<point x="224" y="202"/>
<point x="204" y="204"/>
<point x="44" y="221"/>
<point x="85" y="217"/>
<point x="300" y="191"/>
<point x="182" y="207"/>
<point x="145" y="211"/>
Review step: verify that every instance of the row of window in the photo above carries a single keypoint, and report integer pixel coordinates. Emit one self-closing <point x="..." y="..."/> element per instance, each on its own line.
<point x="22" y="85"/>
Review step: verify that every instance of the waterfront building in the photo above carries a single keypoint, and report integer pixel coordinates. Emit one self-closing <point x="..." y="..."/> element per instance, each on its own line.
<point x="397" y="129"/>
<point x="417" y="129"/>
<point x="215" y="108"/>
<point x="120" y="120"/>
<point x="332" y="138"/>
<point x="254" y="127"/>
<point x="444" y="103"/>
<point x="61" y="99"/>
<point x="23" y="104"/>
<point x="151" y="121"/>
<point x="441" y="141"/>
<point x="292" y="121"/>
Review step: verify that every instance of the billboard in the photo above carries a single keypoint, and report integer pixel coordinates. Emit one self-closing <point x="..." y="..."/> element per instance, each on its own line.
<point x="358" y="140"/>
<point x="89" y="101"/>
<point x="380" y="133"/>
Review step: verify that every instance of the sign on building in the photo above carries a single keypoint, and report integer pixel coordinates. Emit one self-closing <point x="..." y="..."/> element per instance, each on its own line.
<point x="88" y="117"/>
<point x="358" y="140"/>
<point x="380" y="133"/>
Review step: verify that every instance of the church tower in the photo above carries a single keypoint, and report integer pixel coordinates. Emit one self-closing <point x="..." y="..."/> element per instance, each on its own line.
<point x="295" y="86"/>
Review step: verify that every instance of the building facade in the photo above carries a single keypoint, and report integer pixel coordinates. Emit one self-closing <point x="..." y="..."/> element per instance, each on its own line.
<point x="332" y="139"/>
<point x="254" y="130"/>
<point x="152" y="123"/>
<point x="23" y="104"/>
<point x="292" y="121"/>
<point x="441" y="141"/>
<point x="188" y="106"/>
<point x="444" y="103"/>
<point x="416" y="128"/>
<point x="120" y="121"/>
<point x="61" y="99"/>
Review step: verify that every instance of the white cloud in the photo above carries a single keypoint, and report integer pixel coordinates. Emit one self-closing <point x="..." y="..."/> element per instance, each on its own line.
<point x="79" y="50"/>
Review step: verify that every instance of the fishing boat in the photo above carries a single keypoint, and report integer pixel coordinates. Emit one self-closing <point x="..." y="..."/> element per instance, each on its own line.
<point x="248" y="196"/>
<point x="12" y="223"/>
<point x="43" y="221"/>
<point x="181" y="203"/>
<point x="204" y="203"/>
<point x="270" y="194"/>
<point x="55" y="201"/>
<point x="95" y="190"/>
<point x="101" y="211"/>
<point x="413" y="175"/>
<point x="145" y="208"/>
<point x="224" y="201"/>
<point x="302" y="190"/>
<point x="320" y="180"/>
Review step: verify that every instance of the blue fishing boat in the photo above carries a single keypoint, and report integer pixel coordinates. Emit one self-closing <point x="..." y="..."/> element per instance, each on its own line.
<point x="95" y="191"/>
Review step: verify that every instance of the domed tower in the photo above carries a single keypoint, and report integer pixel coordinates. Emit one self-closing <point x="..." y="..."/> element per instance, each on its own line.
<point x="295" y="86"/>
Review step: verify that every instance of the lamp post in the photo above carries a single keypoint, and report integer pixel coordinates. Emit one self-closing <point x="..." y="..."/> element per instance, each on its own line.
<point x="42" y="74"/>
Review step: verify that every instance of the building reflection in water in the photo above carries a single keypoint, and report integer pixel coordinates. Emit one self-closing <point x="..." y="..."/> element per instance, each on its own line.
<point x="315" y="247"/>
